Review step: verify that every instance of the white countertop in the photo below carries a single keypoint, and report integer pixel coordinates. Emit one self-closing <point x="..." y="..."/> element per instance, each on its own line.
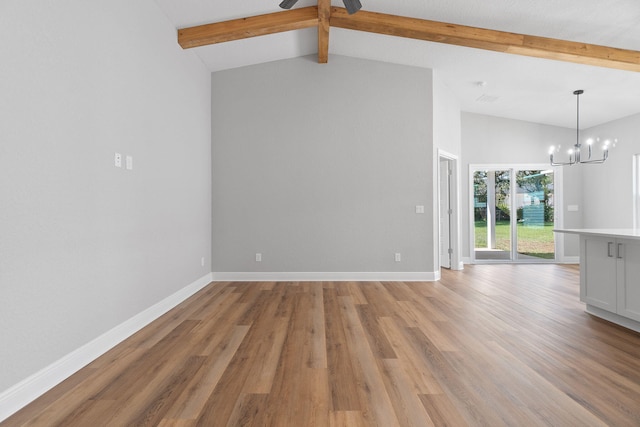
<point x="623" y="233"/>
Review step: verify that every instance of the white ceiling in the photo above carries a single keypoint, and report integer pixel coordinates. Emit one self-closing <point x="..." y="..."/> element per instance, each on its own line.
<point x="524" y="88"/>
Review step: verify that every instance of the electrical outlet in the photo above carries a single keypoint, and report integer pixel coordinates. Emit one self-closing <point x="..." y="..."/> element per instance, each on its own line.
<point x="258" y="257"/>
<point x="398" y="257"/>
<point x="419" y="209"/>
<point x="117" y="160"/>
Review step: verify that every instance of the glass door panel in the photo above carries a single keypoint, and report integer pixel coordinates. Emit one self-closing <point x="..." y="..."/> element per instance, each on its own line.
<point x="492" y="214"/>
<point x="534" y="206"/>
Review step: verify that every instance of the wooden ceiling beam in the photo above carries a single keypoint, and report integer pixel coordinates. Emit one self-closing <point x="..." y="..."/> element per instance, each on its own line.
<point x="324" y="14"/>
<point x="480" y="38"/>
<point x="243" y="28"/>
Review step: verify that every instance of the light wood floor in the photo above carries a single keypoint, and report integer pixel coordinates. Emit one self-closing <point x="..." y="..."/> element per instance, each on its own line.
<point x="493" y="345"/>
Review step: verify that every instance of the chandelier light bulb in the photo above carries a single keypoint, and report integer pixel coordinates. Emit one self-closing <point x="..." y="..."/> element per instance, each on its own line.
<point x="590" y="141"/>
<point x="552" y="149"/>
<point x="570" y="151"/>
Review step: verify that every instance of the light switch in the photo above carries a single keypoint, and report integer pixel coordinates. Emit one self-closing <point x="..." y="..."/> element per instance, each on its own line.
<point x="419" y="209"/>
<point x="398" y="257"/>
<point x="258" y="257"/>
<point x="129" y="162"/>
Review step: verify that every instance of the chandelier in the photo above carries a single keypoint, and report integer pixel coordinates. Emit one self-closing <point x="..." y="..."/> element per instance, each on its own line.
<point x="575" y="153"/>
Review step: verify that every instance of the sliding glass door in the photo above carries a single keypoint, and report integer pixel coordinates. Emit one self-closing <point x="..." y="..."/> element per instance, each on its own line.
<point x="513" y="214"/>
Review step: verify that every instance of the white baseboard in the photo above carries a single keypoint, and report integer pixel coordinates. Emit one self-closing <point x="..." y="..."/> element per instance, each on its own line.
<point x="27" y="390"/>
<point x="418" y="276"/>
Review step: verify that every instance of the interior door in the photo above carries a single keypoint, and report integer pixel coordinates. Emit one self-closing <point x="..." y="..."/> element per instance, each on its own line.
<point x="445" y="213"/>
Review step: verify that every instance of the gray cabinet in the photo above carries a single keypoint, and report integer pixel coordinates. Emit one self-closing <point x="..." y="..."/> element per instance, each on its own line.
<point x="610" y="274"/>
<point x="628" y="278"/>
<point x="598" y="272"/>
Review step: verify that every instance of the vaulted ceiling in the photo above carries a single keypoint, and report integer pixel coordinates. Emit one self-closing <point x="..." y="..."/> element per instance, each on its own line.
<point x="519" y="87"/>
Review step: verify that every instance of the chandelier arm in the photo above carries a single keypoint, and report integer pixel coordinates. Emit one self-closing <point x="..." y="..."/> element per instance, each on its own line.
<point x="569" y="163"/>
<point x="605" y="156"/>
<point x="586" y="162"/>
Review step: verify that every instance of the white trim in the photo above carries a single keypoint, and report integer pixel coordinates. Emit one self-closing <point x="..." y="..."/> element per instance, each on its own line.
<point x="27" y="390"/>
<point x="294" y="276"/>
<point x="558" y="212"/>
<point x="569" y="260"/>
<point x="636" y="191"/>
<point x="471" y="235"/>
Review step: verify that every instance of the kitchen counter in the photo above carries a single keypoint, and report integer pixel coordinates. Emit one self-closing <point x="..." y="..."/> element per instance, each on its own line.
<point x="622" y="233"/>
<point x="610" y="274"/>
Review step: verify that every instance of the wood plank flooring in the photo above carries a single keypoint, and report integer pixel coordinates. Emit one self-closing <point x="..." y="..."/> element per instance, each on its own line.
<point x="493" y="345"/>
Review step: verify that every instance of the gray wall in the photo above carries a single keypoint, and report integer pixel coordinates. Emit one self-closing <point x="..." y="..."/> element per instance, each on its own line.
<point x="319" y="167"/>
<point x="85" y="246"/>
<point x="607" y="191"/>
<point x="495" y="140"/>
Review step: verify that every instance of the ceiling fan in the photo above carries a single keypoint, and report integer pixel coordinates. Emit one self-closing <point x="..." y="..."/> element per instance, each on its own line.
<point x="352" y="6"/>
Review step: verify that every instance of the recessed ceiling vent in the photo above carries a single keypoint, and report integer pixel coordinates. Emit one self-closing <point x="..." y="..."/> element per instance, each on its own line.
<point x="486" y="98"/>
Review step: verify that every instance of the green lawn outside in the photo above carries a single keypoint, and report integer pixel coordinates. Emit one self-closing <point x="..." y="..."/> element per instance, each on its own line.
<point x="533" y="241"/>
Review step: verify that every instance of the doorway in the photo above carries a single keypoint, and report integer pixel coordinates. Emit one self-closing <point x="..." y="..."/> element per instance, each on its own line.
<point x="512" y="213"/>
<point x="448" y="212"/>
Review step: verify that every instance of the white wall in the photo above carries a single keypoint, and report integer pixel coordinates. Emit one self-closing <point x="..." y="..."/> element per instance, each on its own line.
<point x="607" y="191"/>
<point x="319" y="167"/>
<point x="447" y="137"/>
<point x="446" y="118"/>
<point x="495" y="140"/>
<point x="85" y="246"/>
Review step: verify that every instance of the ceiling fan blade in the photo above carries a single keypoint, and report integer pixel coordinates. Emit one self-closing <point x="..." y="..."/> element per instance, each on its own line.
<point x="352" y="6"/>
<point x="287" y="4"/>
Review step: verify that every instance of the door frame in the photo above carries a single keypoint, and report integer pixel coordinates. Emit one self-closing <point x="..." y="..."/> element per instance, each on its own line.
<point x="636" y="191"/>
<point x="454" y="202"/>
